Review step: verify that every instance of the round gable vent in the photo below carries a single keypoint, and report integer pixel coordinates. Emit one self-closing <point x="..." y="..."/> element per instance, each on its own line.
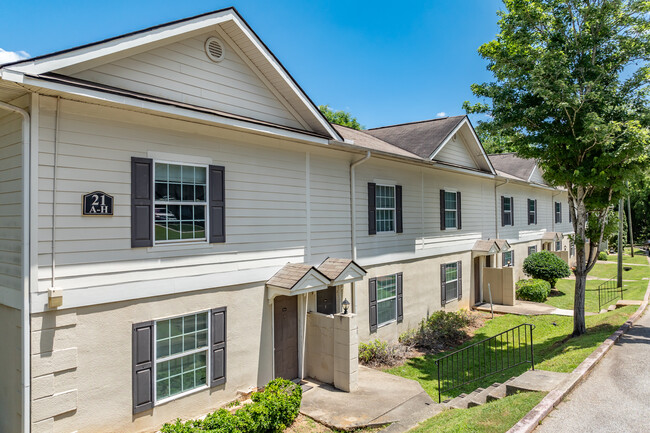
<point x="214" y="49"/>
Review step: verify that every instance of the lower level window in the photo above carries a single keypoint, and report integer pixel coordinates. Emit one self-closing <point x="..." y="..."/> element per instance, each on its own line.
<point x="386" y="299"/>
<point x="507" y="258"/>
<point x="181" y="354"/>
<point x="451" y="281"/>
<point x="532" y="249"/>
<point x="558" y="246"/>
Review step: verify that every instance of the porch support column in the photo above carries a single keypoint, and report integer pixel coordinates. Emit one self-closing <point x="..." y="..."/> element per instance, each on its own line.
<point x="346" y="352"/>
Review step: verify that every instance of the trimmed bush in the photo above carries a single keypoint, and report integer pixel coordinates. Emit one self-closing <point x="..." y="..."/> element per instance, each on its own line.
<point x="602" y="255"/>
<point x="533" y="290"/>
<point x="273" y="410"/>
<point x="441" y="330"/>
<point x="379" y="352"/>
<point x="546" y="266"/>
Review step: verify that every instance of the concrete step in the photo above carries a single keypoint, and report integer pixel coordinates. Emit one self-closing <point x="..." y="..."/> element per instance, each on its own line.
<point x="611" y="307"/>
<point x="481" y="397"/>
<point x="457" y="402"/>
<point x="602" y="311"/>
<point x="627" y="302"/>
<point x="462" y="403"/>
<point x="407" y="422"/>
<point x="499" y="392"/>
<point x="535" y="380"/>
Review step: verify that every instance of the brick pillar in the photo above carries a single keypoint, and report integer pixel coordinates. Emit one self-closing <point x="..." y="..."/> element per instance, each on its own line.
<point x="346" y="352"/>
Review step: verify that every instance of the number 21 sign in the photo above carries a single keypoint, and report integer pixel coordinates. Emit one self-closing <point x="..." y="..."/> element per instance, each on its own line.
<point x="97" y="203"/>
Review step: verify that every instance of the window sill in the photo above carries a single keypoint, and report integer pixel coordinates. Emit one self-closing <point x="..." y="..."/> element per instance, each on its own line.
<point x="182" y="394"/>
<point x="387" y="323"/>
<point x="385" y="233"/>
<point x="179" y="246"/>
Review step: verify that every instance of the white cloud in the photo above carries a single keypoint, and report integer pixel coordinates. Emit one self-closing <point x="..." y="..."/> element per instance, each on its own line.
<point x="441" y="114"/>
<point x="12" y="56"/>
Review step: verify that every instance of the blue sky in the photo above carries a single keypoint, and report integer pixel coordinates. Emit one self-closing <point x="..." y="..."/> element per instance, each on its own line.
<point x="385" y="62"/>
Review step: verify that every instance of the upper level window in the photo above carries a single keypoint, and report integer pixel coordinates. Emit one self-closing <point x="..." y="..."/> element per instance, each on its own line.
<point x="507" y="217"/>
<point x="532" y="211"/>
<point x="180" y="202"/>
<point x="385" y="201"/>
<point x="181" y="354"/>
<point x="386" y="299"/>
<point x="558" y="212"/>
<point x="532" y="249"/>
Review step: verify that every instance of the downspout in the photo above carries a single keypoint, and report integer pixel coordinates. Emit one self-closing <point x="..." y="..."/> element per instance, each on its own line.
<point x="26" y="309"/>
<point x="353" y="226"/>
<point x="496" y="206"/>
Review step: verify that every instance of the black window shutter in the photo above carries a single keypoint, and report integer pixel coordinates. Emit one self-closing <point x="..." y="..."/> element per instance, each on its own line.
<point x="560" y="213"/>
<point x="398" y="208"/>
<point x="512" y="211"/>
<point x="570" y="216"/>
<point x="512" y="258"/>
<point x="528" y="211"/>
<point x="442" y="209"/>
<point x="443" y="288"/>
<point x="535" y="211"/>
<point x="504" y="263"/>
<point x="372" y="209"/>
<point x="459" y="217"/>
<point x="141" y="202"/>
<point x="372" y="304"/>
<point x="503" y="211"/>
<point x="142" y="353"/>
<point x="459" y="275"/>
<point x="218" y="346"/>
<point x="217" y="204"/>
<point x="400" y="300"/>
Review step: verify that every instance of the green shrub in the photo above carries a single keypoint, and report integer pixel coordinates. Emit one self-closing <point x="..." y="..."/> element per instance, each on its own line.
<point x="379" y="352"/>
<point x="533" y="290"/>
<point x="441" y="330"/>
<point x="546" y="266"/>
<point x="602" y="255"/>
<point x="273" y="410"/>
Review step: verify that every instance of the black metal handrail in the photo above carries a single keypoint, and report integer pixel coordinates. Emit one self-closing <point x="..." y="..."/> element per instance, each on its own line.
<point x="493" y="355"/>
<point x="607" y="292"/>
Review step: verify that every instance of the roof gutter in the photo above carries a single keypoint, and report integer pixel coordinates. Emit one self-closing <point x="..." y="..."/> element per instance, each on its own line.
<point x="353" y="226"/>
<point x="26" y="307"/>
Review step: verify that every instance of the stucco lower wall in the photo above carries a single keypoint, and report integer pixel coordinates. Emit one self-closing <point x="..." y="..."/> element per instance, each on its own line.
<point x="319" y="353"/>
<point x="10" y="363"/>
<point x="93" y="346"/>
<point x="421" y="294"/>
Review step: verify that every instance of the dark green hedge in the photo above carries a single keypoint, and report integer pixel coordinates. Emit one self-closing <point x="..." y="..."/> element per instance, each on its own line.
<point x="273" y="410"/>
<point x="533" y="290"/>
<point x="546" y="266"/>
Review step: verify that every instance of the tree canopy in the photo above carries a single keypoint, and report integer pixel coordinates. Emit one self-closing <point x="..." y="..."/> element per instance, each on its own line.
<point x="571" y="91"/>
<point x="340" y="117"/>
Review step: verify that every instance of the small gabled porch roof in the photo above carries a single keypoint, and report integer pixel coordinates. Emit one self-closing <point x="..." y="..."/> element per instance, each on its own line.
<point x="490" y="246"/>
<point x="552" y="236"/>
<point x="341" y="271"/>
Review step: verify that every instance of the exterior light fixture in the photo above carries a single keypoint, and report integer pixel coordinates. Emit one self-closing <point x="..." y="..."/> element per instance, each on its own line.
<point x="346" y="305"/>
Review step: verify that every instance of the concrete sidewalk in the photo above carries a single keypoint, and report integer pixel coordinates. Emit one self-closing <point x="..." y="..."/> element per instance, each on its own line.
<point x="616" y="395"/>
<point x="525" y="308"/>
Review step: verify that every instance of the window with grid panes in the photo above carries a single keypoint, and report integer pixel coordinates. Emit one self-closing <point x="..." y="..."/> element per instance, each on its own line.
<point x="451" y="209"/>
<point x="507" y="258"/>
<point x="507" y="211"/>
<point x="181" y="354"/>
<point x="180" y="202"/>
<point x="386" y="299"/>
<point x="451" y="281"/>
<point x="532" y="249"/>
<point x="385" y="208"/>
<point x="531" y="211"/>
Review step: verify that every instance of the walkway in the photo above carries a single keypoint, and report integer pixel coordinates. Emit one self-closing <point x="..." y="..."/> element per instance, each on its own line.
<point x="382" y="398"/>
<point x="525" y="308"/>
<point x="615" y="396"/>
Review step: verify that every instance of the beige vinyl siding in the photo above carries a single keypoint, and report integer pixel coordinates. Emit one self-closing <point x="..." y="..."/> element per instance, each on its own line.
<point x="182" y="72"/>
<point x="456" y="152"/>
<point x="11" y="202"/>
<point x="265" y="198"/>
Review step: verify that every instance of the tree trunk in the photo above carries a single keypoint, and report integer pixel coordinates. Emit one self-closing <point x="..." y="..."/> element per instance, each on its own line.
<point x="580" y="271"/>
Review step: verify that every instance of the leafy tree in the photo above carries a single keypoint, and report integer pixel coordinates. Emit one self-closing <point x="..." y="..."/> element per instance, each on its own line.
<point x="640" y="204"/>
<point x="546" y="266"/>
<point x="340" y="117"/>
<point x="493" y="141"/>
<point x="571" y="91"/>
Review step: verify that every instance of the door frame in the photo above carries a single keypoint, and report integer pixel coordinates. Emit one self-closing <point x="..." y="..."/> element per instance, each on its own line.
<point x="301" y="312"/>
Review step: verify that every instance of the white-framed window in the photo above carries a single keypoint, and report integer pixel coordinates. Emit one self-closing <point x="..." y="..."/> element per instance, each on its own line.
<point x="507" y="211"/>
<point x="558" y="212"/>
<point x="451" y="281"/>
<point x="532" y="211"/>
<point x="181" y="355"/>
<point x="385" y="204"/>
<point x="507" y="259"/>
<point x="386" y="299"/>
<point x="532" y="250"/>
<point x="451" y="209"/>
<point x="180" y="202"/>
<point x="558" y="245"/>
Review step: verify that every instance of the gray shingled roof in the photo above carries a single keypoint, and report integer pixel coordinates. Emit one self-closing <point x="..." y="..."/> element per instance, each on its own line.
<point x="512" y="165"/>
<point x="421" y="138"/>
<point x="289" y="275"/>
<point x="363" y="139"/>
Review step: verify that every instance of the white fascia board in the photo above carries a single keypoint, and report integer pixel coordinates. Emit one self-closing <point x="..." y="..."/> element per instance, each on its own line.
<point x="443" y="166"/>
<point x="75" y="56"/>
<point x="350" y="274"/>
<point x="477" y="141"/>
<point x="173" y="110"/>
<point x="282" y="72"/>
<point x="523" y="182"/>
<point x="312" y="281"/>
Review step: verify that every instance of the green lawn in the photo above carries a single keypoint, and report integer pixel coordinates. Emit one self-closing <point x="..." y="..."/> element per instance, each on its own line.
<point x="607" y="270"/>
<point x="495" y="417"/>
<point x="639" y="259"/>
<point x="566" y="291"/>
<point x="553" y="350"/>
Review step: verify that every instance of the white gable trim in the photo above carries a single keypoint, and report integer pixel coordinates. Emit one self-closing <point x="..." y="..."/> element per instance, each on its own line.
<point x="312" y="281"/>
<point x="465" y="121"/>
<point x="350" y="274"/>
